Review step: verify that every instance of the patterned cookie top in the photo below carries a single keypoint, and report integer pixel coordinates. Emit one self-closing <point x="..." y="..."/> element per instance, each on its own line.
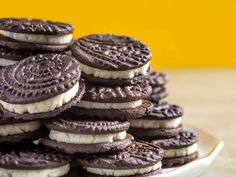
<point x="38" y="78"/>
<point x="165" y="110"/>
<point x="157" y="79"/>
<point x="31" y="157"/>
<point x="35" y="26"/>
<point x="111" y="52"/>
<point x="183" y="139"/>
<point x="138" y="155"/>
<point x="71" y="125"/>
<point x="116" y="94"/>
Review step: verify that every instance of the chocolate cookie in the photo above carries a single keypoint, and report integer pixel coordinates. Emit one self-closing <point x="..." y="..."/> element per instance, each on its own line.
<point x="157" y="79"/>
<point x="163" y="121"/>
<point x="33" y="47"/>
<point x="115" y="114"/>
<point x="28" y="160"/>
<point x="86" y="136"/>
<point x="111" y="57"/>
<point x="85" y="173"/>
<point x="116" y="82"/>
<point x="116" y="94"/>
<point x="14" y="130"/>
<point x="35" y="35"/>
<point x="150" y="133"/>
<point x="158" y="94"/>
<point x="9" y="56"/>
<point x="180" y="149"/>
<point x="165" y="110"/>
<point x="40" y="86"/>
<point x="138" y="159"/>
<point x="35" y="26"/>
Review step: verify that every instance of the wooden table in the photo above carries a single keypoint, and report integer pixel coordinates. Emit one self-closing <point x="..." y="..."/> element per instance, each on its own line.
<point x="209" y="100"/>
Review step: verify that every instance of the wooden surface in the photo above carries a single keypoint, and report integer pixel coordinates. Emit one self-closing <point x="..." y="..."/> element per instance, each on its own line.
<point x="209" y="101"/>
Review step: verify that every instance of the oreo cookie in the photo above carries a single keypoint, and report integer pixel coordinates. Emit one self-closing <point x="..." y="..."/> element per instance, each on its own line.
<point x="73" y="136"/>
<point x="180" y="149"/>
<point x="139" y="159"/>
<point x="35" y="35"/>
<point x="157" y="79"/>
<point x="28" y="160"/>
<point x="158" y="94"/>
<point x="10" y="57"/>
<point x="116" y="94"/>
<point x="40" y="86"/>
<point x="33" y="47"/>
<point x="115" y="114"/>
<point x="164" y="121"/>
<point x="114" y="102"/>
<point x="106" y="58"/>
<point x="15" y="130"/>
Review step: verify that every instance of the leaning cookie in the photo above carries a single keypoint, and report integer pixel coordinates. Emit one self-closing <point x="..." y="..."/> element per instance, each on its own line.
<point x="86" y="136"/>
<point x="112" y="59"/>
<point x="35" y="35"/>
<point x="41" y="86"/>
<point x="27" y="160"/>
<point x="114" y="102"/>
<point x="180" y="149"/>
<point x="164" y="121"/>
<point x="140" y="159"/>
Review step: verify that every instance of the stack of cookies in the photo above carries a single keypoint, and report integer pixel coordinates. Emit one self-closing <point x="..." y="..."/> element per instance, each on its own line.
<point x="98" y="110"/>
<point x="163" y="126"/>
<point x="34" y="89"/>
<point x="21" y="38"/>
<point x="114" y="69"/>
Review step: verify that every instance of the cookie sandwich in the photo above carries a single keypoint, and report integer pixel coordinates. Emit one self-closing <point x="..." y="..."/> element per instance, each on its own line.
<point x="179" y="150"/>
<point x="41" y="86"/>
<point x="112" y="59"/>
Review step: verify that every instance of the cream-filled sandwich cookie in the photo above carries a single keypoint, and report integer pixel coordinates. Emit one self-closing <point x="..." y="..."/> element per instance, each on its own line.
<point x="163" y="121"/>
<point x="112" y="59"/>
<point x="140" y="159"/>
<point x="16" y="130"/>
<point x="27" y="160"/>
<point x="157" y="81"/>
<point x="35" y="35"/>
<point x="73" y="135"/>
<point x="40" y="86"/>
<point x="114" y="102"/>
<point x="180" y="149"/>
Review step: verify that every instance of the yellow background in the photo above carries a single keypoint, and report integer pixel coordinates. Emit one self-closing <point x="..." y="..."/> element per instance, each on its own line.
<point x="181" y="33"/>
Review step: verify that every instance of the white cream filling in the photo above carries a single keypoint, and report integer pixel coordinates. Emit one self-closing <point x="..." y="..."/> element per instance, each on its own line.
<point x="85" y="138"/>
<point x="145" y="123"/>
<point x="98" y="105"/>
<point x="171" y="153"/>
<point x="38" y="38"/>
<point x="43" y="106"/>
<point x="53" y="172"/>
<point x="105" y="74"/>
<point x="19" y="128"/>
<point x="6" y="62"/>
<point x="125" y="172"/>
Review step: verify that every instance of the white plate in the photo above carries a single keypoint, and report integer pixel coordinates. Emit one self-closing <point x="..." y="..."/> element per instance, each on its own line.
<point x="208" y="146"/>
